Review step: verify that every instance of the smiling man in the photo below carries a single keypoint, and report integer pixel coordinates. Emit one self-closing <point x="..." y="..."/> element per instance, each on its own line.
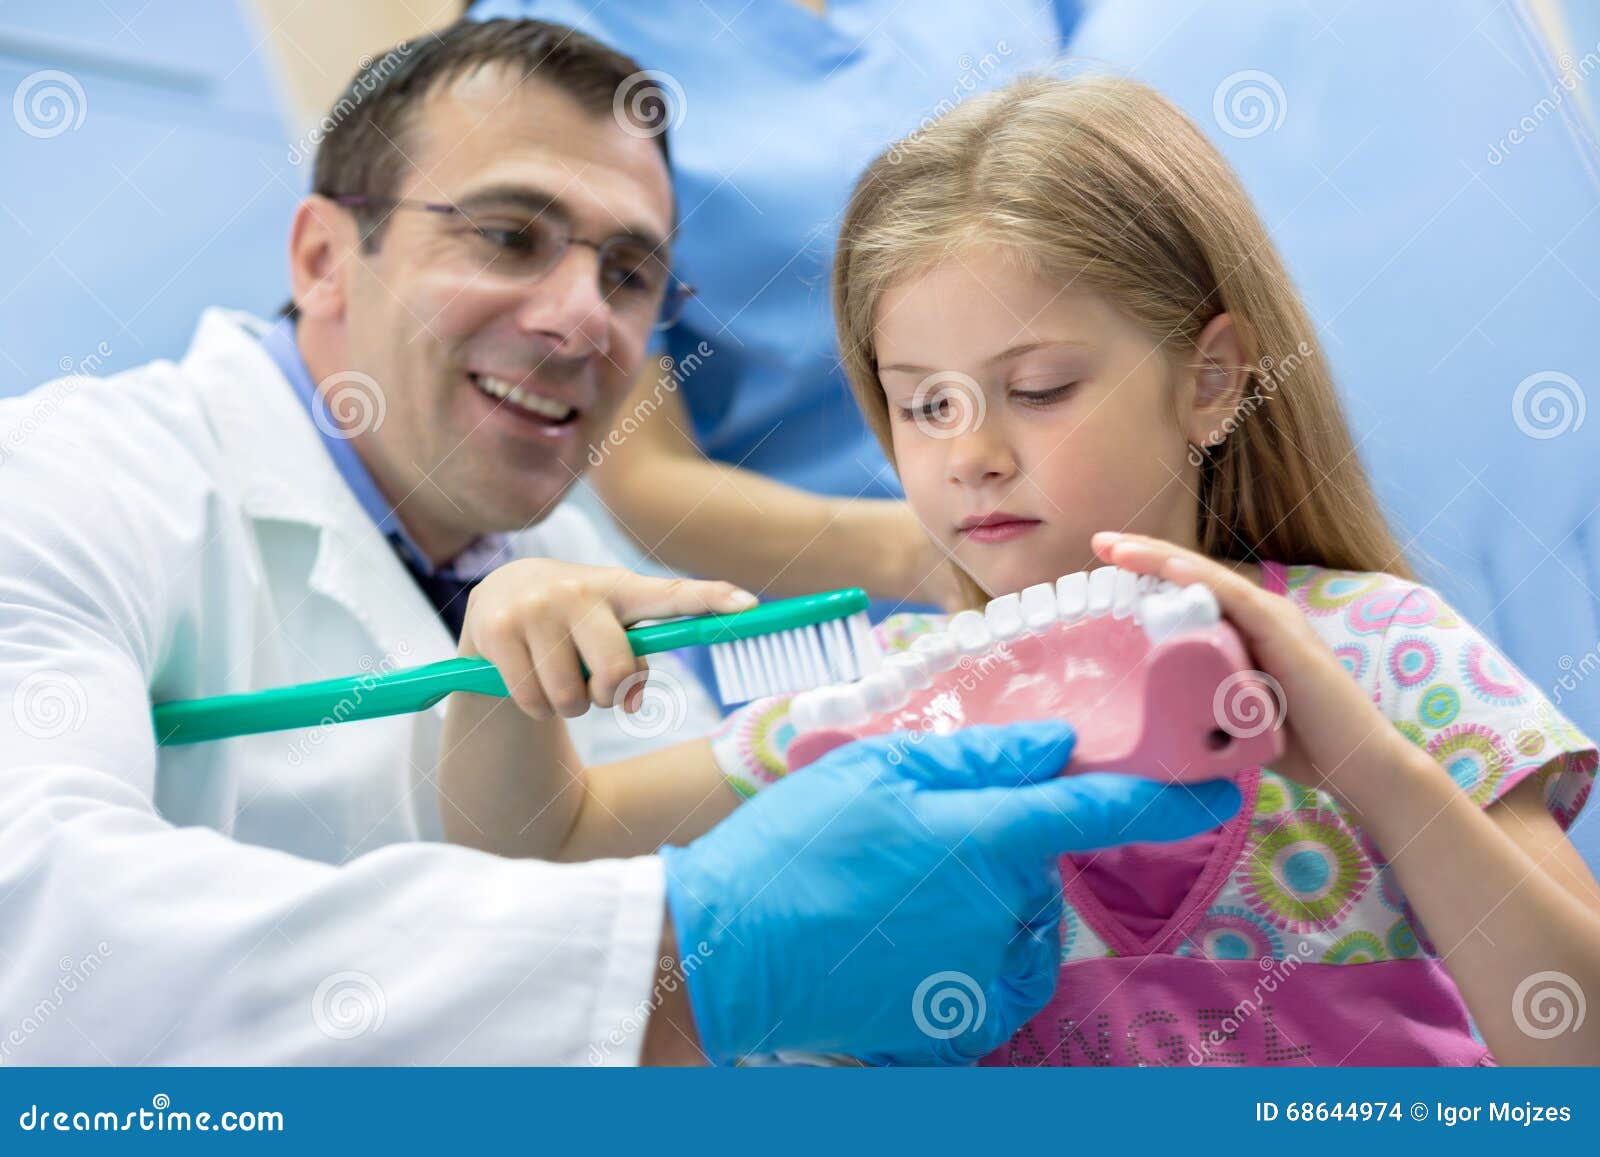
<point x="495" y="259"/>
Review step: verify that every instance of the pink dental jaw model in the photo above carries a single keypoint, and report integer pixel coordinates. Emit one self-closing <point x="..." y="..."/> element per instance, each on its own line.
<point x="1153" y="680"/>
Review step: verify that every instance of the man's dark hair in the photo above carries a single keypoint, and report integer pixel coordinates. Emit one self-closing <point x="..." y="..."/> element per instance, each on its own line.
<point x="365" y="136"/>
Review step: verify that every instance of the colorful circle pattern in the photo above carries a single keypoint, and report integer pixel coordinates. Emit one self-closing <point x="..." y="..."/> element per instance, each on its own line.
<point x="1231" y="933"/>
<point x="1475" y="755"/>
<point x="1490" y="678"/>
<point x="1412" y="660"/>
<point x="1305" y="874"/>
<point x="1440" y="704"/>
<point x="1334" y="590"/>
<point x="1354" y="658"/>
<point x="1359" y="947"/>
<point x="1392" y="606"/>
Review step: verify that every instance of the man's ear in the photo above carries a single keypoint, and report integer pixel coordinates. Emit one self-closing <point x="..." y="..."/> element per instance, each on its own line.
<point x="1220" y="381"/>
<point x="322" y="240"/>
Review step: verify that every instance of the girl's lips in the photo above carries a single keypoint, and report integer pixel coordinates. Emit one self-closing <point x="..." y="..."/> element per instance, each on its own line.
<point x="1001" y="531"/>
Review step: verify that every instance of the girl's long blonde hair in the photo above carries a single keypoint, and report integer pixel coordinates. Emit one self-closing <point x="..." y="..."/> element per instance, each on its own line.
<point x="1103" y="182"/>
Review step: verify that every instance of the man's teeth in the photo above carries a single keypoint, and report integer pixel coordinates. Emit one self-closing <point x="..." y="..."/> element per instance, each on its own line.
<point x="517" y="396"/>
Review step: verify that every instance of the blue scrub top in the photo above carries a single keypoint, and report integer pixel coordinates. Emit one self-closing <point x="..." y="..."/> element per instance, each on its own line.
<point x="782" y="110"/>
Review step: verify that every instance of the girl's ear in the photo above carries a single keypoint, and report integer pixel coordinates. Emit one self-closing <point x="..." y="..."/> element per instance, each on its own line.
<point x="1220" y="381"/>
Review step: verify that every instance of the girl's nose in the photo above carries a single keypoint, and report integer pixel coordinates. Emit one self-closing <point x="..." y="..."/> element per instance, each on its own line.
<point x="980" y="456"/>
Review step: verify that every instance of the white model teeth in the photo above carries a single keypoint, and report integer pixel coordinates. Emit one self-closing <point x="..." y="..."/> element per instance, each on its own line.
<point x="803" y="711"/>
<point x="840" y="706"/>
<point x="1168" y="613"/>
<point x="1004" y="616"/>
<point x="1072" y="596"/>
<point x="884" y="690"/>
<point x="1038" y="605"/>
<point x="1102" y="589"/>
<point x="1124" y="594"/>
<point x="938" y="650"/>
<point x="911" y="666"/>
<point x="517" y="396"/>
<point x="970" y="632"/>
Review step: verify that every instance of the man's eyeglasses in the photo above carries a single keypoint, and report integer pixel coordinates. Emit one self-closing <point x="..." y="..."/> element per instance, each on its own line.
<point x="635" y="280"/>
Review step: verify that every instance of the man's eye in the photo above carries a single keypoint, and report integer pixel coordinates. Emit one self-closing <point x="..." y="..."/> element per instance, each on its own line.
<point x="518" y="241"/>
<point x="634" y="273"/>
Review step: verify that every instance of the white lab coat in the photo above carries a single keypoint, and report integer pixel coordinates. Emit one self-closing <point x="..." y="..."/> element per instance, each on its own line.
<point x="180" y="530"/>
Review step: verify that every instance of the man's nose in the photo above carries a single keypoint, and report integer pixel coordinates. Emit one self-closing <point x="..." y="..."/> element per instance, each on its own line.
<point x="567" y="304"/>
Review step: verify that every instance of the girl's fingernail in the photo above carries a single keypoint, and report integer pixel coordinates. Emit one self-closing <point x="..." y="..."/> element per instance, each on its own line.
<point x="743" y="599"/>
<point x="1106" y="538"/>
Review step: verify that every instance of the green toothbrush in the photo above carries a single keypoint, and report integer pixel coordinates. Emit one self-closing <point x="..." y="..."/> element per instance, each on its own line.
<point x="778" y="647"/>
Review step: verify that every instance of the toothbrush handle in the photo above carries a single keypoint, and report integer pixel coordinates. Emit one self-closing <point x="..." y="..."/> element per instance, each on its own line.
<point x="376" y="694"/>
<point x="369" y="696"/>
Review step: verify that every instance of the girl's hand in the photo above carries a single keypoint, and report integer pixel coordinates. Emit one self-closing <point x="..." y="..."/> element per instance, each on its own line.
<point x="1335" y="738"/>
<point x="536" y="618"/>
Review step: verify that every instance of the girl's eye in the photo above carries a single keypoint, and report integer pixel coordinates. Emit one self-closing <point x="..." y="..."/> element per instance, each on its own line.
<point x="934" y="409"/>
<point x="1044" y="397"/>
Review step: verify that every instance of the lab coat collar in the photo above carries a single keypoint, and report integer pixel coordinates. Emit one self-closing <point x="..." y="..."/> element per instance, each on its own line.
<point x="283" y="473"/>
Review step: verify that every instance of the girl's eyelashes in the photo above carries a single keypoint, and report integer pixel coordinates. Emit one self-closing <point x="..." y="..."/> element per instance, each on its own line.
<point x="934" y="407"/>
<point x="929" y="411"/>
<point x="1044" y="397"/>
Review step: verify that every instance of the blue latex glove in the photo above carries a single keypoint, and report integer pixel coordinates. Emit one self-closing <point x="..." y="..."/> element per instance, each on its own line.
<point x="899" y="900"/>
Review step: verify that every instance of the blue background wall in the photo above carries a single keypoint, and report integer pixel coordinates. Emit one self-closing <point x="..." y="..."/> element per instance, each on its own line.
<point x="171" y="193"/>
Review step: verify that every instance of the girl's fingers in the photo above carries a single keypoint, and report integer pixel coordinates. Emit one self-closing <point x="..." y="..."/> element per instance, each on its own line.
<point x="510" y="657"/>
<point x="603" y="646"/>
<point x="1245" y="604"/>
<point x="555" y="661"/>
<point x="638" y="596"/>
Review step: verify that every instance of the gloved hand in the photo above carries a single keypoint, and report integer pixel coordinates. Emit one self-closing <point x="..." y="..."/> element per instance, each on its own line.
<point x="899" y="899"/>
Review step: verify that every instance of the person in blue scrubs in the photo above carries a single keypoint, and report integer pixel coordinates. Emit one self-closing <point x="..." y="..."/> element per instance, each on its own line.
<point x="744" y="457"/>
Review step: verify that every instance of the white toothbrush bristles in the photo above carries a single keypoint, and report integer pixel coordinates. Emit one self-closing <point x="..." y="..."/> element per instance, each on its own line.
<point x="838" y="651"/>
